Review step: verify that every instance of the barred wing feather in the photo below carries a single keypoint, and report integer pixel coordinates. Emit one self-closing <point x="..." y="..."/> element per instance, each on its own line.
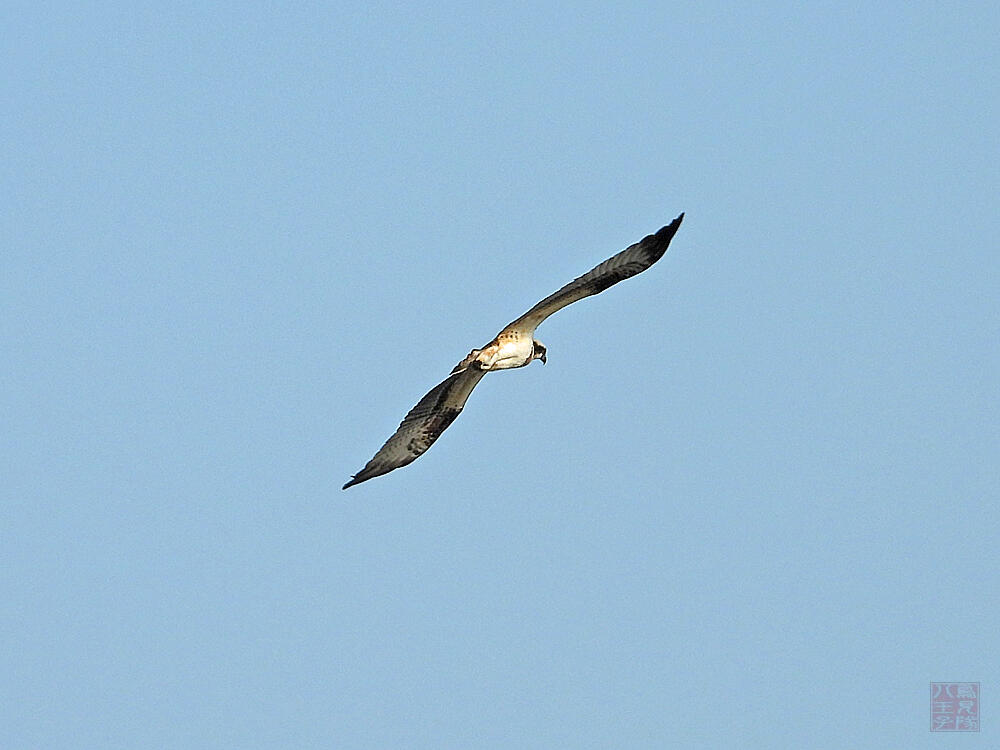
<point x="630" y="261"/>
<point x="423" y="425"/>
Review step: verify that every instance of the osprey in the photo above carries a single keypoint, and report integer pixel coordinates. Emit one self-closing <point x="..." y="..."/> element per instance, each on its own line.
<point x="514" y="346"/>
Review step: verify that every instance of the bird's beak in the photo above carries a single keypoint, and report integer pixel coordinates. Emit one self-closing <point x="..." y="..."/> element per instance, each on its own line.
<point x="543" y="359"/>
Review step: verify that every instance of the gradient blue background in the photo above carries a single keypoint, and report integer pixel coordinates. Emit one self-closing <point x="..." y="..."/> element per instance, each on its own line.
<point x="751" y="501"/>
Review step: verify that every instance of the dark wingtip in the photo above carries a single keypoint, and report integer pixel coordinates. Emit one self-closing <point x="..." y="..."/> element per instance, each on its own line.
<point x="657" y="243"/>
<point x="354" y="481"/>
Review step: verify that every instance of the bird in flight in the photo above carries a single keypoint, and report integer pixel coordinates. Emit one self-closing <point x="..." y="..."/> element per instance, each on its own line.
<point x="514" y="346"/>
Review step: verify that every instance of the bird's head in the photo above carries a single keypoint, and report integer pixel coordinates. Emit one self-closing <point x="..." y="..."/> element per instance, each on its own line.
<point x="539" y="352"/>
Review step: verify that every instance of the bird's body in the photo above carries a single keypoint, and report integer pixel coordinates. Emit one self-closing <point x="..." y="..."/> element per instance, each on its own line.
<point x="515" y="346"/>
<point x="508" y="350"/>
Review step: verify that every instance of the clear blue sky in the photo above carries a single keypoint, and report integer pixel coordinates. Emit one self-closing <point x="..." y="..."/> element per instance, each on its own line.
<point x="751" y="500"/>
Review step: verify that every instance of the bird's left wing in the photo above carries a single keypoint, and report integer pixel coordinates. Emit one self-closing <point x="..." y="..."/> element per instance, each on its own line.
<point x="423" y="425"/>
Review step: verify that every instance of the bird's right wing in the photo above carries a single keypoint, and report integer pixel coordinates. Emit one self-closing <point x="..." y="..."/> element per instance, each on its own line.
<point x="630" y="261"/>
<point x="423" y="425"/>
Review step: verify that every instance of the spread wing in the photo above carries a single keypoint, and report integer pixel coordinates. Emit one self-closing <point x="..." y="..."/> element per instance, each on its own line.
<point x="423" y="425"/>
<point x="630" y="261"/>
